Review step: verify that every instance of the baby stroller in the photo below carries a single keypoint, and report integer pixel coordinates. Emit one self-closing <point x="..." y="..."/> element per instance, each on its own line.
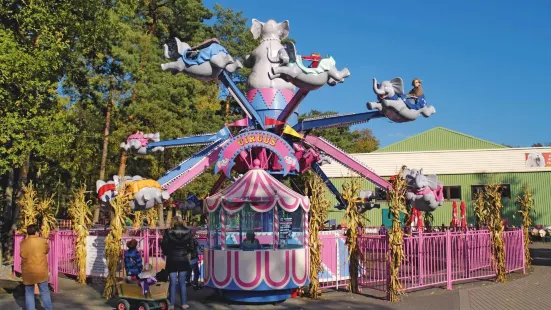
<point x="132" y="293"/>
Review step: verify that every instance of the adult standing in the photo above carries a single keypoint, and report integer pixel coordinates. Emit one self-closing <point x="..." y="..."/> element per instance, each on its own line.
<point x="34" y="267"/>
<point x="176" y="246"/>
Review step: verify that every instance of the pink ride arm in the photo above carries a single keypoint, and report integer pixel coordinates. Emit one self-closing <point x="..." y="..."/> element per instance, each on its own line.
<point x="197" y="169"/>
<point x="346" y="160"/>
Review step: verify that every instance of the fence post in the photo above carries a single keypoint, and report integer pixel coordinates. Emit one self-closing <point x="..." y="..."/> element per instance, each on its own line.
<point x="145" y="236"/>
<point x="420" y="258"/>
<point x="466" y="250"/>
<point x="388" y="261"/>
<point x="449" y="259"/>
<point x="523" y="251"/>
<point x="55" y="262"/>
<point x="338" y="265"/>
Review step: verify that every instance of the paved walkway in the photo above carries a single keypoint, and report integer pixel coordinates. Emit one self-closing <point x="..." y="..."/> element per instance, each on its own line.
<point x="530" y="292"/>
<point x="525" y="292"/>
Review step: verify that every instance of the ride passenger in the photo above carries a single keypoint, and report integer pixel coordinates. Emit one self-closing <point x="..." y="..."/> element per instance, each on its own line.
<point x="250" y="242"/>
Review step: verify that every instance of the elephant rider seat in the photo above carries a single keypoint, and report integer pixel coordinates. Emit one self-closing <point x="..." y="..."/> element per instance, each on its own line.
<point x="415" y="103"/>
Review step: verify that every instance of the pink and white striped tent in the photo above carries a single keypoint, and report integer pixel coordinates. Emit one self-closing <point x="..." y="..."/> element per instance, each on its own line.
<point x="259" y="189"/>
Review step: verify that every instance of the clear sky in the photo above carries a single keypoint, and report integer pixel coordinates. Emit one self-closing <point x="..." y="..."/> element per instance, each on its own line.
<point x="485" y="64"/>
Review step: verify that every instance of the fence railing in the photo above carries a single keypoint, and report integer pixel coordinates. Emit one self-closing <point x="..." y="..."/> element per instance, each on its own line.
<point x="431" y="259"/>
<point x="435" y="259"/>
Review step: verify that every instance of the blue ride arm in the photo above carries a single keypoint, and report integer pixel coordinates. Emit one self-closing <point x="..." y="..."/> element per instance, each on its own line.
<point x="241" y="99"/>
<point x="224" y="133"/>
<point x="317" y="169"/>
<point x="336" y="121"/>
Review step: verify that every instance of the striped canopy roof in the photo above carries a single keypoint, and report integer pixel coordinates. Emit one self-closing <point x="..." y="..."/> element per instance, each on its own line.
<point x="259" y="189"/>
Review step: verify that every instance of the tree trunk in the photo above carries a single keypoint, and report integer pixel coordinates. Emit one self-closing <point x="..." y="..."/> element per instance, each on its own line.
<point x="169" y="217"/>
<point x="160" y="210"/>
<point x="122" y="166"/>
<point x="23" y="173"/>
<point x="105" y="141"/>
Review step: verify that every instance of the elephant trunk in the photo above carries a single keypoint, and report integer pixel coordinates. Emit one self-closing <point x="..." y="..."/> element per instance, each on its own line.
<point x="379" y="91"/>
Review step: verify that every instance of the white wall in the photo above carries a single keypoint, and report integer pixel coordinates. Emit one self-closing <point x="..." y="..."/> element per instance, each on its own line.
<point x="447" y="162"/>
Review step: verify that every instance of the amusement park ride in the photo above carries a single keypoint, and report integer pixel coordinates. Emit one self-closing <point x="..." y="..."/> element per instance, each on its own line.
<point x="272" y="141"/>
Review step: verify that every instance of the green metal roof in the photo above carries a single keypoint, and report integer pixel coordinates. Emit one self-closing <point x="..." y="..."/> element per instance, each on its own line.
<point x="439" y="139"/>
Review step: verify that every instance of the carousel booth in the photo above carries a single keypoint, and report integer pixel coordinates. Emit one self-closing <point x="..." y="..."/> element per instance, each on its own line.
<point x="258" y="239"/>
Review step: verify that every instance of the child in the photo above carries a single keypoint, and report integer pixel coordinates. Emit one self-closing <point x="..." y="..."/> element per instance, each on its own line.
<point x="147" y="278"/>
<point x="415" y="99"/>
<point x="132" y="260"/>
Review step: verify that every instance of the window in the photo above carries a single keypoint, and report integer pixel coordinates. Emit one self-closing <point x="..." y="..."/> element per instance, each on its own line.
<point x="452" y="192"/>
<point x="381" y="194"/>
<point x="505" y="190"/>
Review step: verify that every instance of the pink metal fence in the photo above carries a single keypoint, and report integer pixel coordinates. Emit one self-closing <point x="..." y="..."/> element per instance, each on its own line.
<point x="435" y="259"/>
<point x="431" y="259"/>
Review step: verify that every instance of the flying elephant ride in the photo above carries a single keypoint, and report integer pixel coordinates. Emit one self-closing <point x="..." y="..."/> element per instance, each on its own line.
<point x="257" y="224"/>
<point x="396" y="105"/>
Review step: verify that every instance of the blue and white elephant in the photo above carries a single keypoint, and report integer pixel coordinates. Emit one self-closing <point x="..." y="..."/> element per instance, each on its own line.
<point x="424" y="191"/>
<point x="293" y="70"/>
<point x="395" y="104"/>
<point x="204" y="62"/>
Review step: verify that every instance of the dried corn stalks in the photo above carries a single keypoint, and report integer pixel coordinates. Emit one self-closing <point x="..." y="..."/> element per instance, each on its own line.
<point x="350" y="194"/>
<point x="120" y="210"/>
<point x="396" y="235"/>
<point x="480" y="210"/>
<point x="27" y="204"/>
<point x="47" y="215"/>
<point x="138" y="219"/>
<point x="81" y="218"/>
<point x="152" y="216"/>
<point x="315" y="189"/>
<point x="526" y="205"/>
<point x="495" y="224"/>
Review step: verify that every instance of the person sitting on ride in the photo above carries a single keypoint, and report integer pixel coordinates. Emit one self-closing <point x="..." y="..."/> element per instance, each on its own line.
<point x="250" y="242"/>
<point x="314" y="59"/>
<point x="415" y="99"/>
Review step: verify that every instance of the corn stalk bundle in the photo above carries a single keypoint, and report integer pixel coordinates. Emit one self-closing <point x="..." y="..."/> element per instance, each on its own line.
<point x="480" y="210"/>
<point x="152" y="216"/>
<point x="396" y="235"/>
<point x="81" y="219"/>
<point x="350" y="194"/>
<point x="315" y="189"/>
<point x="27" y="204"/>
<point x="138" y="219"/>
<point x="47" y="214"/>
<point x="494" y="206"/>
<point x="526" y="205"/>
<point x="120" y="210"/>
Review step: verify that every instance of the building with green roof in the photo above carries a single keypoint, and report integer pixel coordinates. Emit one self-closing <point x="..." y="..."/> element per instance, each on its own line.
<point x="464" y="164"/>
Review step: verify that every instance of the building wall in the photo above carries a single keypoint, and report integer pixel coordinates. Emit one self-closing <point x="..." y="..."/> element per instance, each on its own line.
<point x="444" y="162"/>
<point x="539" y="183"/>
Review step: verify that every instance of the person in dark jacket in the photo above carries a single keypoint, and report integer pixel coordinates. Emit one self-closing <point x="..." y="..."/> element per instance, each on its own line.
<point x="176" y="246"/>
<point x="194" y="256"/>
<point x="132" y="260"/>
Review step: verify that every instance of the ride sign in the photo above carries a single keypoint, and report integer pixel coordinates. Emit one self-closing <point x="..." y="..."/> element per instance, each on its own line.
<point x="257" y="139"/>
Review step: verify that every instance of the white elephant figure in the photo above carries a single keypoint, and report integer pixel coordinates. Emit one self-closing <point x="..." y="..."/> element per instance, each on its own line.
<point x="270" y="34"/>
<point x="424" y="191"/>
<point x="139" y="142"/>
<point x="294" y="71"/>
<point x="147" y="193"/>
<point x="106" y="192"/>
<point x="204" y="62"/>
<point x="395" y="105"/>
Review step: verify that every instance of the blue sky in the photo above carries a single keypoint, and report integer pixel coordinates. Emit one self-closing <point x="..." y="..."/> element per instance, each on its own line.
<point x="485" y="65"/>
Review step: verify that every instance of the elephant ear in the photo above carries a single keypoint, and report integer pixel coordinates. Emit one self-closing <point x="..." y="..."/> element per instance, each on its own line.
<point x="256" y="29"/>
<point x="398" y="85"/>
<point x="283" y="29"/>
